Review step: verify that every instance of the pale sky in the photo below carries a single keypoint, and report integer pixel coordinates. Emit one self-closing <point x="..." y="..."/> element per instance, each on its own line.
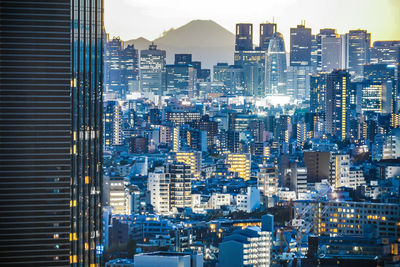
<point x="149" y="18"/>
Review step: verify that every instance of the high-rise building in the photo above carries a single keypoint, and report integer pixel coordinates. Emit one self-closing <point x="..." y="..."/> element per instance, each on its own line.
<point x="112" y="125"/>
<point x="385" y="52"/>
<point x="318" y="93"/>
<point x="244" y="37"/>
<point x="121" y="68"/>
<point x="152" y="70"/>
<point x="267" y="30"/>
<point x="331" y="53"/>
<point x="239" y="164"/>
<point x="300" y="46"/>
<point x="387" y="76"/>
<point x="253" y="66"/>
<point x="276" y="66"/>
<point x="337" y="109"/>
<point x="181" y="77"/>
<point x="120" y="196"/>
<point x="183" y="59"/>
<point x="358" y="44"/>
<point x="252" y="247"/>
<point x="192" y="159"/>
<point x="158" y="185"/>
<point x="267" y="180"/>
<point x="180" y="187"/>
<point x="51" y="131"/>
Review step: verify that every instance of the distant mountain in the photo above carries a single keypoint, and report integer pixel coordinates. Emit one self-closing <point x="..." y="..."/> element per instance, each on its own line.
<point x="208" y="41"/>
<point x="139" y="43"/>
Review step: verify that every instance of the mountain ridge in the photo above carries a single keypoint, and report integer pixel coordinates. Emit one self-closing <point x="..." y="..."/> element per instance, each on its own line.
<point x="206" y="40"/>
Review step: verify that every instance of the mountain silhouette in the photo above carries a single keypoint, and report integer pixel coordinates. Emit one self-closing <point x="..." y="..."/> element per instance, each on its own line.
<point x="208" y="41"/>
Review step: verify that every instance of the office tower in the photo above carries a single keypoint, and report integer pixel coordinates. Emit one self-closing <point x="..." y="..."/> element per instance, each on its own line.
<point x="358" y="44"/>
<point x="239" y="164"/>
<point x="181" y="77"/>
<point x="244" y="37"/>
<point x="331" y="53"/>
<point x="51" y="131"/>
<point x="120" y="68"/>
<point x="130" y="61"/>
<point x="385" y="52"/>
<point x="298" y="81"/>
<point x="317" y="41"/>
<point x="337" y="109"/>
<point x="180" y="187"/>
<point x="276" y="66"/>
<point x="253" y="66"/>
<point x="267" y="30"/>
<point x="387" y="76"/>
<point x="152" y="70"/>
<point x="374" y="97"/>
<point x="220" y="72"/>
<point x="300" y="46"/>
<point x="183" y="59"/>
<point x="318" y="93"/>
<point x="283" y="130"/>
<point x="112" y="125"/>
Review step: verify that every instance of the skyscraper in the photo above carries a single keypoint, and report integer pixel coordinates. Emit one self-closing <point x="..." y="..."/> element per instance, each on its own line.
<point x="51" y="132"/>
<point x="331" y="52"/>
<point x="385" y="52"/>
<point x="267" y="31"/>
<point x="121" y="68"/>
<point x="317" y="41"/>
<point x="152" y="70"/>
<point x="337" y="108"/>
<point x="276" y="66"/>
<point x="253" y="66"/>
<point x="244" y="37"/>
<point x="300" y="46"/>
<point x="318" y="93"/>
<point x="358" y="44"/>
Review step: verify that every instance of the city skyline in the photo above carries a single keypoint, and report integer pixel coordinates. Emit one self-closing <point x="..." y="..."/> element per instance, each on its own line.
<point x="158" y="16"/>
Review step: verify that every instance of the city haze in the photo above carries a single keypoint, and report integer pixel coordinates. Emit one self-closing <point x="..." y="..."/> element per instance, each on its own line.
<point x="131" y="19"/>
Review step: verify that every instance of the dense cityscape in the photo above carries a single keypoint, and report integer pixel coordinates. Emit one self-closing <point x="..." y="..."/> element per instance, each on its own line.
<point x="112" y="157"/>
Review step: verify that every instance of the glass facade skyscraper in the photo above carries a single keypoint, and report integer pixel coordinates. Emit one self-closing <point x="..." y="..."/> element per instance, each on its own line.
<point x="300" y="46"/>
<point x="51" y="132"/>
<point x="244" y="37"/>
<point x="358" y="46"/>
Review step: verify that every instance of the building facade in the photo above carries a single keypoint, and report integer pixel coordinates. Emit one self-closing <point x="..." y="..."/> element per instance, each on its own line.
<point x="51" y="82"/>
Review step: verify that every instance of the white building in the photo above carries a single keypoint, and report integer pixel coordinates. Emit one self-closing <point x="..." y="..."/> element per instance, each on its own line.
<point x="249" y="201"/>
<point x="267" y="181"/>
<point x="120" y="197"/>
<point x="158" y="185"/>
<point x="247" y="247"/>
<point x="220" y="199"/>
<point x="285" y="194"/>
<point x="356" y="178"/>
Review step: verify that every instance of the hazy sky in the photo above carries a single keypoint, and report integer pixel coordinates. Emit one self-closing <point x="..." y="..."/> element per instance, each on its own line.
<point x="149" y="18"/>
